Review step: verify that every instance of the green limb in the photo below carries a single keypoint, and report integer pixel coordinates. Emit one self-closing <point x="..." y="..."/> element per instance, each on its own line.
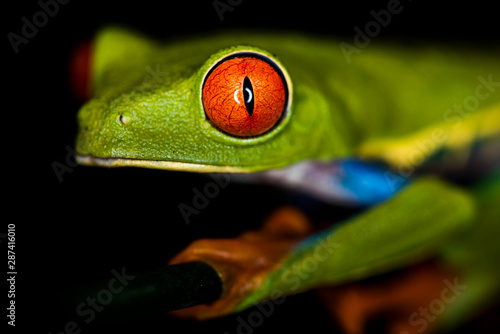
<point x="412" y="225"/>
<point x="477" y="255"/>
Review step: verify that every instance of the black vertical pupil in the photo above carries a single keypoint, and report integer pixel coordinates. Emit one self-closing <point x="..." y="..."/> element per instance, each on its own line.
<point x="248" y="95"/>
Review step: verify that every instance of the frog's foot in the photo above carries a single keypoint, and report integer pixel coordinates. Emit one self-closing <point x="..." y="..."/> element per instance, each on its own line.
<point x="244" y="262"/>
<point x="396" y="303"/>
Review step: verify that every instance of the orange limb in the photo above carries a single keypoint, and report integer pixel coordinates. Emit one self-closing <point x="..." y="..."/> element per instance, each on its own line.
<point x="244" y="262"/>
<point x="393" y="300"/>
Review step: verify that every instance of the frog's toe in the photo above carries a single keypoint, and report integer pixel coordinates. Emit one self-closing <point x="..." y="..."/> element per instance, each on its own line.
<point x="244" y="262"/>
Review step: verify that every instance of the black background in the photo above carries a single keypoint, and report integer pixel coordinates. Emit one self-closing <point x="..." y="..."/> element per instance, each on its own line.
<point x="96" y="220"/>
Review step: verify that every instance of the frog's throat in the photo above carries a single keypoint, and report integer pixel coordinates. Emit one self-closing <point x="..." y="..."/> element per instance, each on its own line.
<point x="89" y="160"/>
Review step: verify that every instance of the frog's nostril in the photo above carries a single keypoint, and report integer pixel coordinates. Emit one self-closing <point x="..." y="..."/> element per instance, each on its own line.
<point x="123" y="119"/>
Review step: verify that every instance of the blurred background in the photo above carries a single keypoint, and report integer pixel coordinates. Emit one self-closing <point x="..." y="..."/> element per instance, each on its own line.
<point x="97" y="220"/>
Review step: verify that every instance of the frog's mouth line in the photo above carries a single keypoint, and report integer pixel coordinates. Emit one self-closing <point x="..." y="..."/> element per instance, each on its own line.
<point x="89" y="160"/>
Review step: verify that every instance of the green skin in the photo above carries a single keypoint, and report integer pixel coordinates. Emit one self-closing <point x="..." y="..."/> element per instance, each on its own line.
<point x="139" y="119"/>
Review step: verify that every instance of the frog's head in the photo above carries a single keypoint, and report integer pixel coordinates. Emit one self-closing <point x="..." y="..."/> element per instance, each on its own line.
<point x="206" y="105"/>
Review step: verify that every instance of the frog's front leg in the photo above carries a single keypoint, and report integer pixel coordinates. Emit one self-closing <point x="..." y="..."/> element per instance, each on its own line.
<point x="283" y="259"/>
<point x="244" y="262"/>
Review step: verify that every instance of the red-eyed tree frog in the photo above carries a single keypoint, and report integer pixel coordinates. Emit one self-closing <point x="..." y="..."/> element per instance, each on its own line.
<point x="389" y="132"/>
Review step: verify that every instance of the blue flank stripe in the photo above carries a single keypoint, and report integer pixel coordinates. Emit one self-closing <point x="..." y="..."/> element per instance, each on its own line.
<point x="370" y="183"/>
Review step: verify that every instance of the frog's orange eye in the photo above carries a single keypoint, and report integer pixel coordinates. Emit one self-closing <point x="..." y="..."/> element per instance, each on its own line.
<point x="245" y="95"/>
